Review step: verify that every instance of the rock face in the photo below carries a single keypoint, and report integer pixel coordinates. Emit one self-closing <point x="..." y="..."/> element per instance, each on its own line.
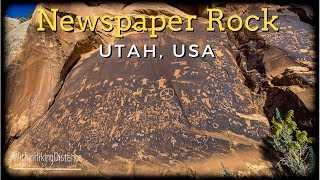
<point x="137" y="116"/>
<point x="15" y="32"/>
<point x="285" y="60"/>
<point x="10" y="23"/>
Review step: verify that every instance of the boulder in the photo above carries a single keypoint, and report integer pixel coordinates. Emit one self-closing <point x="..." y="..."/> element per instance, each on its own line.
<point x="296" y="75"/>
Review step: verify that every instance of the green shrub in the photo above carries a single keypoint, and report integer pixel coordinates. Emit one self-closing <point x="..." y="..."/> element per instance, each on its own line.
<point x="295" y="152"/>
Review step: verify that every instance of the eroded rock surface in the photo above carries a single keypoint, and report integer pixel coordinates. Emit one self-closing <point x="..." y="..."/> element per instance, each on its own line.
<point x="283" y="63"/>
<point x="15" y="33"/>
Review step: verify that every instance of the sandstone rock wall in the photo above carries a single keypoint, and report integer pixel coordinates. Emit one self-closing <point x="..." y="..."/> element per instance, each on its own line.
<point x="15" y="33"/>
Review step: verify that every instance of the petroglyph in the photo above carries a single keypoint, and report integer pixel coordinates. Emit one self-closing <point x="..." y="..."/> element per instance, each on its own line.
<point x="167" y="94"/>
<point x="164" y="111"/>
<point x="295" y="37"/>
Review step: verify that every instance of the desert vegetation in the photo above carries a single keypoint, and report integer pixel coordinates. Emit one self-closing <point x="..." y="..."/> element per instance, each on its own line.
<point x="296" y="155"/>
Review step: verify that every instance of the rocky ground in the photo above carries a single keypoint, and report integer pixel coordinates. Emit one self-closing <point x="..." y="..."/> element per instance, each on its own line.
<point x="158" y="117"/>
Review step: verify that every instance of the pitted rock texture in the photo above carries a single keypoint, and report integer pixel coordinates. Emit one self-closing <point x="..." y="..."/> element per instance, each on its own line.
<point x="138" y="116"/>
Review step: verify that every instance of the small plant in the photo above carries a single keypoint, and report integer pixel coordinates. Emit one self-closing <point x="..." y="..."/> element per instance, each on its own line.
<point x="296" y="154"/>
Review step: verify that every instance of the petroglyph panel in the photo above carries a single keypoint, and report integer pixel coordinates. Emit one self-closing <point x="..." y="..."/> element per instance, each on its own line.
<point x="149" y="110"/>
<point x="294" y="36"/>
